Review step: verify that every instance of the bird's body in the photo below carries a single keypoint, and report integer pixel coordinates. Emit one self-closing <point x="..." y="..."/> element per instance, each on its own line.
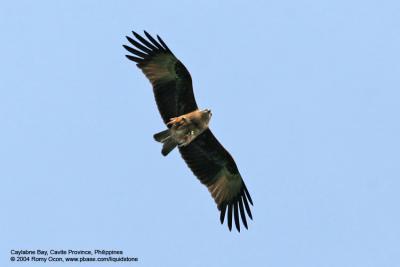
<point x="183" y="129"/>
<point x="188" y="128"/>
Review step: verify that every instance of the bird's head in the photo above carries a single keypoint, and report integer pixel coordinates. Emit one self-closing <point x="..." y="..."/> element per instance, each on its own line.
<point x="206" y="114"/>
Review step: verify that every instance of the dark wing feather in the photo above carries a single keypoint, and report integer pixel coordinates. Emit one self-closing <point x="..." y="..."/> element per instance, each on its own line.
<point x="172" y="83"/>
<point x="216" y="169"/>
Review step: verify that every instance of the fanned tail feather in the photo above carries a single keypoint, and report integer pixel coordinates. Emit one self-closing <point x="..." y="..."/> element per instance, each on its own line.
<point x="168" y="143"/>
<point x="168" y="146"/>
<point x="162" y="136"/>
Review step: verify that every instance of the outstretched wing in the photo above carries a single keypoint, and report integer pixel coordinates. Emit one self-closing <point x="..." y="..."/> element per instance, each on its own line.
<point x="172" y="84"/>
<point x="216" y="169"/>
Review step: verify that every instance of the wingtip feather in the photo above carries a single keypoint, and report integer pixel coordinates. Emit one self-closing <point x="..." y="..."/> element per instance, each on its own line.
<point x="246" y="205"/>
<point x="236" y="216"/>
<point x="223" y="212"/>
<point x="230" y="217"/>
<point x="242" y="214"/>
<point x="247" y="194"/>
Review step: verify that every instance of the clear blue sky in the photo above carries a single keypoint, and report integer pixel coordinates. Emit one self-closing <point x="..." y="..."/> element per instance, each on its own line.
<point x="305" y="95"/>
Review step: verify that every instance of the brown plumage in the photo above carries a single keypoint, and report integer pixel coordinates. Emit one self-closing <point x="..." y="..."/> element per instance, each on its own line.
<point x="188" y="128"/>
<point x="183" y="130"/>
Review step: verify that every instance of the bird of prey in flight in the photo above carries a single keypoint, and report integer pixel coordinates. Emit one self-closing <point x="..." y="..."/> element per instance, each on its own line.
<point x="187" y="127"/>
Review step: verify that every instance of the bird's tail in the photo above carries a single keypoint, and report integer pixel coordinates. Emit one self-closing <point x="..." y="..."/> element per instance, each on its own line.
<point x="168" y="143"/>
